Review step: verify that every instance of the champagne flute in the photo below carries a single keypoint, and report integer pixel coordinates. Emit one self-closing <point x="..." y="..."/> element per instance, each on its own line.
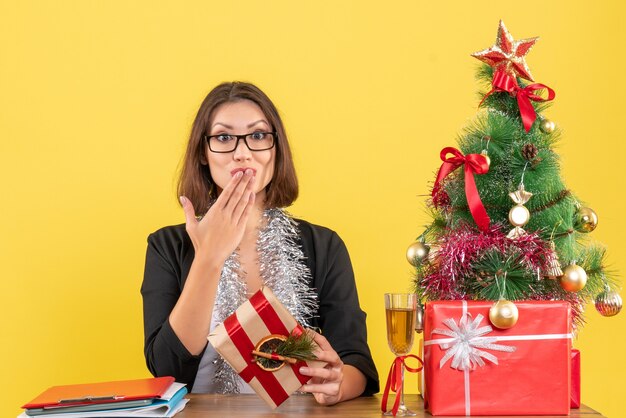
<point x="400" y="311"/>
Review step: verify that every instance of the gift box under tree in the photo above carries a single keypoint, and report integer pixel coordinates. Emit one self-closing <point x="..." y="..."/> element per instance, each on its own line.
<point x="472" y="368"/>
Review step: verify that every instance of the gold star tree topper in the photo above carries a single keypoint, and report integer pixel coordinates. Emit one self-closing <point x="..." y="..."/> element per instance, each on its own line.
<point x="507" y="54"/>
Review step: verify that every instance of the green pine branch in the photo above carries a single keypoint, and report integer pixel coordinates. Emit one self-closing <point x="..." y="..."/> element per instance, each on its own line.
<point x="300" y="347"/>
<point x="501" y="275"/>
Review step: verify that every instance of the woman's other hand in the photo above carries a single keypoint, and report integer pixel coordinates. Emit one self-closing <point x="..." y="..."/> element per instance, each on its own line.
<point x="221" y="230"/>
<point x="335" y="382"/>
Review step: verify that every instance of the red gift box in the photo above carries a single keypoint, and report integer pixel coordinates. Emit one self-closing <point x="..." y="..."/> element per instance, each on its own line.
<point x="575" y="400"/>
<point x="235" y="339"/>
<point x="472" y="368"/>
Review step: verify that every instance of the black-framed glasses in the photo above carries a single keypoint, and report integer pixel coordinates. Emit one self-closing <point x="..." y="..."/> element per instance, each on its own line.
<point x="255" y="141"/>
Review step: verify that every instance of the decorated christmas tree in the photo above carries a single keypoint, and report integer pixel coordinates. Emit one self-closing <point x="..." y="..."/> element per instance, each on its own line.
<point x="505" y="226"/>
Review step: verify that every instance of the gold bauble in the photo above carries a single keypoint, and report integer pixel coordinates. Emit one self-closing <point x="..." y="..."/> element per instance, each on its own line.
<point x="519" y="215"/>
<point x="417" y="253"/>
<point x="609" y="303"/>
<point x="503" y="314"/>
<point x="585" y="220"/>
<point x="547" y="126"/>
<point x="484" y="154"/>
<point x="419" y="318"/>
<point x="574" y="278"/>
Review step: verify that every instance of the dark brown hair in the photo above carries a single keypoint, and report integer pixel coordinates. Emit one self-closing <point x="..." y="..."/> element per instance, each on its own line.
<point x="195" y="180"/>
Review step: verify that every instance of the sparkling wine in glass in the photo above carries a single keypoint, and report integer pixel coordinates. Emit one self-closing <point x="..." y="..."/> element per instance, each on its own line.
<point x="400" y="311"/>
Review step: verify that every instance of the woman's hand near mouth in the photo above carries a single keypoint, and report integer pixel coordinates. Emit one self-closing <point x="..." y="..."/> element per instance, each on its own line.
<point x="220" y="231"/>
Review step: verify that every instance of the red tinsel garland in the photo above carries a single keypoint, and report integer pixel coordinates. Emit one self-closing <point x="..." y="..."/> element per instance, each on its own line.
<point x="459" y="248"/>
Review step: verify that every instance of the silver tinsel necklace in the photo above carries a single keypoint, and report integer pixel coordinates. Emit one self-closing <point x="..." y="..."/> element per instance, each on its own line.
<point x="283" y="269"/>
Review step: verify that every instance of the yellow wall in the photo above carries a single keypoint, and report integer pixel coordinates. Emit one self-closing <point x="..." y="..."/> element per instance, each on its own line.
<point x="97" y="98"/>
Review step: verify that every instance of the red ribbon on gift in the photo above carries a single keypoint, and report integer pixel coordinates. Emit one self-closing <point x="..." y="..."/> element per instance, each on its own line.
<point x="245" y="346"/>
<point x="474" y="164"/>
<point x="297" y="331"/>
<point x="394" y="381"/>
<point x="505" y="82"/>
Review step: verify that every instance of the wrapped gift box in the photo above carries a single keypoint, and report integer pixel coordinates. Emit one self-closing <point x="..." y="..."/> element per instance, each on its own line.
<point x="575" y="386"/>
<point x="575" y="403"/>
<point x="473" y="368"/>
<point x="236" y="338"/>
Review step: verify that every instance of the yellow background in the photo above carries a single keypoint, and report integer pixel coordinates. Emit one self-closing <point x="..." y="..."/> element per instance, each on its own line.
<point x="97" y="100"/>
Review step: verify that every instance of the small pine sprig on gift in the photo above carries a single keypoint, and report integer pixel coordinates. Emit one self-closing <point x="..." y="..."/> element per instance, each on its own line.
<point x="274" y="350"/>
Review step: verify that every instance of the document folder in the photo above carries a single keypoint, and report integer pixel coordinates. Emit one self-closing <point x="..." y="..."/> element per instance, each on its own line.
<point x="101" y="393"/>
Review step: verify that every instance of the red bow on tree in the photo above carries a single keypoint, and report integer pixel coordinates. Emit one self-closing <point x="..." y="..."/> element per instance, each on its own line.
<point x="505" y="82"/>
<point x="474" y="164"/>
